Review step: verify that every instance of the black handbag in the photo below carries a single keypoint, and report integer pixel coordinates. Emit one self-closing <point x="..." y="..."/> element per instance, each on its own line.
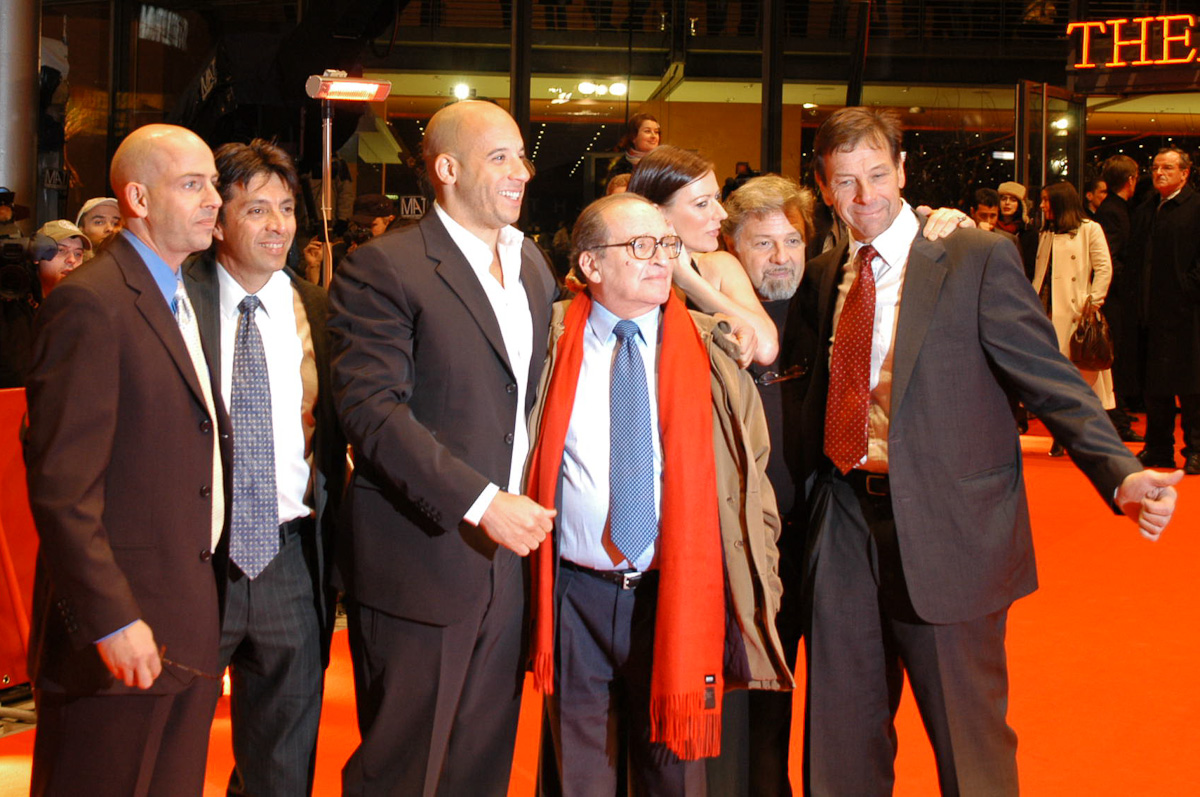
<point x="1091" y="342"/>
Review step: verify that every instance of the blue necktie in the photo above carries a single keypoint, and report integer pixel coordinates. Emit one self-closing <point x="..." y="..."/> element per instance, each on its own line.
<point x="633" y="523"/>
<point x="254" y="538"/>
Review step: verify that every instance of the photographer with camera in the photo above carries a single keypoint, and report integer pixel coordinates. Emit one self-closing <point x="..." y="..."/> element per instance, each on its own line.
<point x="8" y="222"/>
<point x="20" y="295"/>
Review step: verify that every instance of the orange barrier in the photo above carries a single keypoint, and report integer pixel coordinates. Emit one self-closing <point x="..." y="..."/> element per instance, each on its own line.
<point x="18" y="543"/>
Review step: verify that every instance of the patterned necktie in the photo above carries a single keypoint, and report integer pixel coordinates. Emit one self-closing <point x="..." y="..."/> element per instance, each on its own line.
<point x="254" y="538"/>
<point x="850" y="370"/>
<point x="633" y="524"/>
<point x="185" y="316"/>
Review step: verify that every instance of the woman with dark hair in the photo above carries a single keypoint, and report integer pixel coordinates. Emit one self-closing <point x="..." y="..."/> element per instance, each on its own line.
<point x="642" y="134"/>
<point x="1072" y="265"/>
<point x="684" y="187"/>
<point x="1014" y="215"/>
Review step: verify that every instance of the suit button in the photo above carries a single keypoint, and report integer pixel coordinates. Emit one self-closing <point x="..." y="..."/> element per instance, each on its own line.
<point x="205" y="491"/>
<point x="205" y="556"/>
<point x="205" y="426"/>
<point x="510" y="389"/>
<point x="508" y="438"/>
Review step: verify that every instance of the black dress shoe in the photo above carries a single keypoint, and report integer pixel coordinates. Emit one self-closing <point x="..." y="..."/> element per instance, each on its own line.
<point x="1057" y="450"/>
<point x="1130" y="436"/>
<point x="1151" y="459"/>
<point x="1192" y="466"/>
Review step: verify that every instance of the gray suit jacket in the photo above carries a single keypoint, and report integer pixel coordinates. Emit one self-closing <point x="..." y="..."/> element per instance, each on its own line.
<point x="428" y="400"/>
<point x="971" y="336"/>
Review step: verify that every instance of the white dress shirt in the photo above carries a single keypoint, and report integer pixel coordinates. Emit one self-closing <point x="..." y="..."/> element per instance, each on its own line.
<point x="583" y="532"/>
<point x="511" y="306"/>
<point x="276" y="320"/>
<point x="891" y="260"/>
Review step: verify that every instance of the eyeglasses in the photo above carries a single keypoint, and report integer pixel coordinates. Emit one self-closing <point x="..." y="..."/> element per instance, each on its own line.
<point x="644" y="246"/>
<point x="162" y="655"/>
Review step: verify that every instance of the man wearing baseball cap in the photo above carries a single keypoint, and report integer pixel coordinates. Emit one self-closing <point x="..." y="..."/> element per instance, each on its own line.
<point x="374" y="212"/>
<point x="100" y="219"/>
<point x="72" y="243"/>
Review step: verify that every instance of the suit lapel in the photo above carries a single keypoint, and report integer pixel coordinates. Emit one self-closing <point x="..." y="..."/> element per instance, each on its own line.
<point x="155" y="311"/>
<point x="827" y="296"/>
<point x="200" y="274"/>
<point x="539" y="309"/>
<point x="923" y="278"/>
<point x="456" y="272"/>
<point x="311" y="297"/>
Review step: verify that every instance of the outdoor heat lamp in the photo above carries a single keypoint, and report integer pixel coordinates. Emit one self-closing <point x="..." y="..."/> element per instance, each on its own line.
<point x="335" y="85"/>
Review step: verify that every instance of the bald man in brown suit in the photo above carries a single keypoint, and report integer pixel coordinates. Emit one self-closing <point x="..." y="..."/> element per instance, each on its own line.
<point x="126" y="486"/>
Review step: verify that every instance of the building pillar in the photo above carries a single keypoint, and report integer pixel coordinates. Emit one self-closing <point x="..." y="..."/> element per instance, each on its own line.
<point x="20" y="37"/>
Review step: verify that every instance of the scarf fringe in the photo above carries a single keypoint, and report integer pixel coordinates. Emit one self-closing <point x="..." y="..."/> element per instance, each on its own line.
<point x="543" y="673"/>
<point x="683" y="724"/>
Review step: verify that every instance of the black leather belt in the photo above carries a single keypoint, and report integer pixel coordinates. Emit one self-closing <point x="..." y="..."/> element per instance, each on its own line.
<point x="625" y="579"/>
<point x="864" y="482"/>
<point x="296" y="525"/>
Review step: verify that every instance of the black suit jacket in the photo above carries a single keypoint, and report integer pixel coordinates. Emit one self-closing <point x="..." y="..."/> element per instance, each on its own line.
<point x="428" y="400"/>
<point x="970" y="334"/>
<point x="119" y="457"/>
<point x="1165" y="246"/>
<point x="1113" y="218"/>
<point x="329" y="444"/>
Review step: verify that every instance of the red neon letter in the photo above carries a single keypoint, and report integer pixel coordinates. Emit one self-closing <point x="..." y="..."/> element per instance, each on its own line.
<point x="1185" y="37"/>
<point x="1143" y="42"/>
<point x="1085" y="61"/>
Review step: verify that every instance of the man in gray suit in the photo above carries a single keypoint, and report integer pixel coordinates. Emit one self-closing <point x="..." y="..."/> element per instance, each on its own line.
<point x="920" y="535"/>
<point x="439" y="333"/>
<point x="278" y="608"/>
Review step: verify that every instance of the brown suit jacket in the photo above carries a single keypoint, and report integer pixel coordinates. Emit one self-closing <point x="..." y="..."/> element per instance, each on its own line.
<point x="428" y="401"/>
<point x="119" y="458"/>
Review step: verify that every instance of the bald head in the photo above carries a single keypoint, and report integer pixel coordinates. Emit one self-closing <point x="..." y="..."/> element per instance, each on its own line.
<point x="148" y="152"/>
<point x="164" y="179"/>
<point x="475" y="159"/>
<point x="451" y="127"/>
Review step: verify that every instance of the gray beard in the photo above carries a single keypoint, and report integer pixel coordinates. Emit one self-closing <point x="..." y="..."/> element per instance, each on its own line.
<point x="774" y="289"/>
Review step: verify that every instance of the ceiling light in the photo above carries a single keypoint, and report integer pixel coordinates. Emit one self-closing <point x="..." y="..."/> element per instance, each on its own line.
<point x="618" y="89"/>
<point x="587" y="87"/>
<point x="462" y="91"/>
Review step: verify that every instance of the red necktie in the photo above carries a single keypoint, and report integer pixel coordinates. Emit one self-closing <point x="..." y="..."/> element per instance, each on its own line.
<point x="850" y="370"/>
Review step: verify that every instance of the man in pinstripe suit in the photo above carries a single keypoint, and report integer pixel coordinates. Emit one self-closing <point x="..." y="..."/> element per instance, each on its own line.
<point x="277" y="610"/>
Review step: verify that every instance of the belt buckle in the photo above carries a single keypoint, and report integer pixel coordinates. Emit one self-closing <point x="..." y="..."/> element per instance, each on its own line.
<point x="877" y="477"/>
<point x="630" y="580"/>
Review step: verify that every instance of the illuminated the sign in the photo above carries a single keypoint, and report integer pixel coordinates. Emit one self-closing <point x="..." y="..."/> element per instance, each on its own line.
<point x="1171" y="33"/>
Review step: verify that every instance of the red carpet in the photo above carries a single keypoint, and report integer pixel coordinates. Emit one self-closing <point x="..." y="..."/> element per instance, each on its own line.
<point x="1102" y="661"/>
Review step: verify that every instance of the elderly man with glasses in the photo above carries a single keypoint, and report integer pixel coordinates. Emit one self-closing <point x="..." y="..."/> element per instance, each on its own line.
<point x="661" y="588"/>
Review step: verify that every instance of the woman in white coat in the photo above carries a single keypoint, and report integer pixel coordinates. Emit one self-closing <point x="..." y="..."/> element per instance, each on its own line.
<point x="1072" y="265"/>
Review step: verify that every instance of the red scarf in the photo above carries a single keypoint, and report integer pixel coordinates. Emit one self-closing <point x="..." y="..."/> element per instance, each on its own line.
<point x="687" y="682"/>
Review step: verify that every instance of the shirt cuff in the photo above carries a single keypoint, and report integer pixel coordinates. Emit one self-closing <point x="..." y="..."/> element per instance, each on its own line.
<point x="113" y="634"/>
<point x="475" y="513"/>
